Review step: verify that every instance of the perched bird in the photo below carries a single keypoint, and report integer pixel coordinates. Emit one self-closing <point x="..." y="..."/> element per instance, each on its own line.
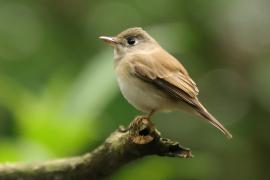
<point x="153" y="80"/>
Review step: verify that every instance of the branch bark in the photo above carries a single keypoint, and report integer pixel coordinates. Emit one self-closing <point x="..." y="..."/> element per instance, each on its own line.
<point x="140" y="139"/>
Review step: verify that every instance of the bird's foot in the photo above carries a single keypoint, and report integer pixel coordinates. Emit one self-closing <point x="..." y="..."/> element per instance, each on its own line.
<point x="143" y="118"/>
<point x="123" y="129"/>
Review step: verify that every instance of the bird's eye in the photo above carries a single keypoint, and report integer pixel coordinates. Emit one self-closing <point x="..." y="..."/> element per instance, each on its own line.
<point x="131" y="40"/>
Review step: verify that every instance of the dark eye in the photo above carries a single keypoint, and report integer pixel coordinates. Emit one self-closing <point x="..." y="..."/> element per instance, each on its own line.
<point x="131" y="40"/>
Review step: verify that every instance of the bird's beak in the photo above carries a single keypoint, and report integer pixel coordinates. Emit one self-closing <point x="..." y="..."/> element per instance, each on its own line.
<point x="110" y="40"/>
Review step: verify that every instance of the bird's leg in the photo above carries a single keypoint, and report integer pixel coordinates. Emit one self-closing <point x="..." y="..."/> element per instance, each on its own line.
<point x="123" y="129"/>
<point x="150" y="114"/>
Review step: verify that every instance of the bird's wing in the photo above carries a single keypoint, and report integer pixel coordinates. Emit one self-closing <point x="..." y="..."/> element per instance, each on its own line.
<point x="164" y="71"/>
<point x="168" y="74"/>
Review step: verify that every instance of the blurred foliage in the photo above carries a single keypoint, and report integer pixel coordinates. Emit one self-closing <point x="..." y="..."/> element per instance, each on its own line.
<point x="59" y="97"/>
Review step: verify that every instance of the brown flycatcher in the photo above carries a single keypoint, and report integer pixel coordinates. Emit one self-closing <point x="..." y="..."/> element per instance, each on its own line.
<point x="153" y="80"/>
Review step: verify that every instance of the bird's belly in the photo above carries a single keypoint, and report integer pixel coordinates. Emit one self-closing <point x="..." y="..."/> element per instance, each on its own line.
<point x="143" y="96"/>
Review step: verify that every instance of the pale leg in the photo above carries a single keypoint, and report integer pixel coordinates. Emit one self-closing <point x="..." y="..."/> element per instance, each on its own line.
<point x="150" y="114"/>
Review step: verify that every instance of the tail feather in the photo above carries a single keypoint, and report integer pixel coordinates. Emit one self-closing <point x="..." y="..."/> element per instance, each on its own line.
<point x="211" y="119"/>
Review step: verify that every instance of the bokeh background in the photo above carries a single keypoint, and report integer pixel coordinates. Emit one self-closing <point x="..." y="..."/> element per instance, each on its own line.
<point x="59" y="97"/>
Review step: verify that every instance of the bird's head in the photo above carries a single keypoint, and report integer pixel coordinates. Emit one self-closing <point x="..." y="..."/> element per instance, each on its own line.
<point x="132" y="40"/>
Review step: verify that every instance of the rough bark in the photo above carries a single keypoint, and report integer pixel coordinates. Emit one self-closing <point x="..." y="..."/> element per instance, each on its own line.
<point x="140" y="139"/>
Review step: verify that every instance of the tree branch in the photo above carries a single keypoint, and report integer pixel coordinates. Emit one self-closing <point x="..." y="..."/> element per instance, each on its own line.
<point x="140" y="139"/>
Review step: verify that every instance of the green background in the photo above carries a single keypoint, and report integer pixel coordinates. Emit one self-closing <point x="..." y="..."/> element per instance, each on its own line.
<point x="59" y="97"/>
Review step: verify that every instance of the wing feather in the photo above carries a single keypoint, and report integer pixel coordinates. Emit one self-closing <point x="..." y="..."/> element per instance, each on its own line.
<point x="171" y="74"/>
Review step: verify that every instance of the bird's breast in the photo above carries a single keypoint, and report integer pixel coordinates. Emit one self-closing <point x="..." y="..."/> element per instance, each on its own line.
<point x="142" y="95"/>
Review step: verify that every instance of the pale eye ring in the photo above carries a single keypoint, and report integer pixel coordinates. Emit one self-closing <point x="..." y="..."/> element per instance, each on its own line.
<point x="131" y="40"/>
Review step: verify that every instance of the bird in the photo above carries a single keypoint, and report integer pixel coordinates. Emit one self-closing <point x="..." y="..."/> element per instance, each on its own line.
<point x="152" y="80"/>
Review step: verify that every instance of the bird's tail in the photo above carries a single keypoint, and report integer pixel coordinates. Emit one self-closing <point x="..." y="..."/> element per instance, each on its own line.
<point x="211" y="119"/>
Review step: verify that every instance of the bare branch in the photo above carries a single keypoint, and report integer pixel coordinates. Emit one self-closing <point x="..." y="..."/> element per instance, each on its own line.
<point x="140" y="139"/>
